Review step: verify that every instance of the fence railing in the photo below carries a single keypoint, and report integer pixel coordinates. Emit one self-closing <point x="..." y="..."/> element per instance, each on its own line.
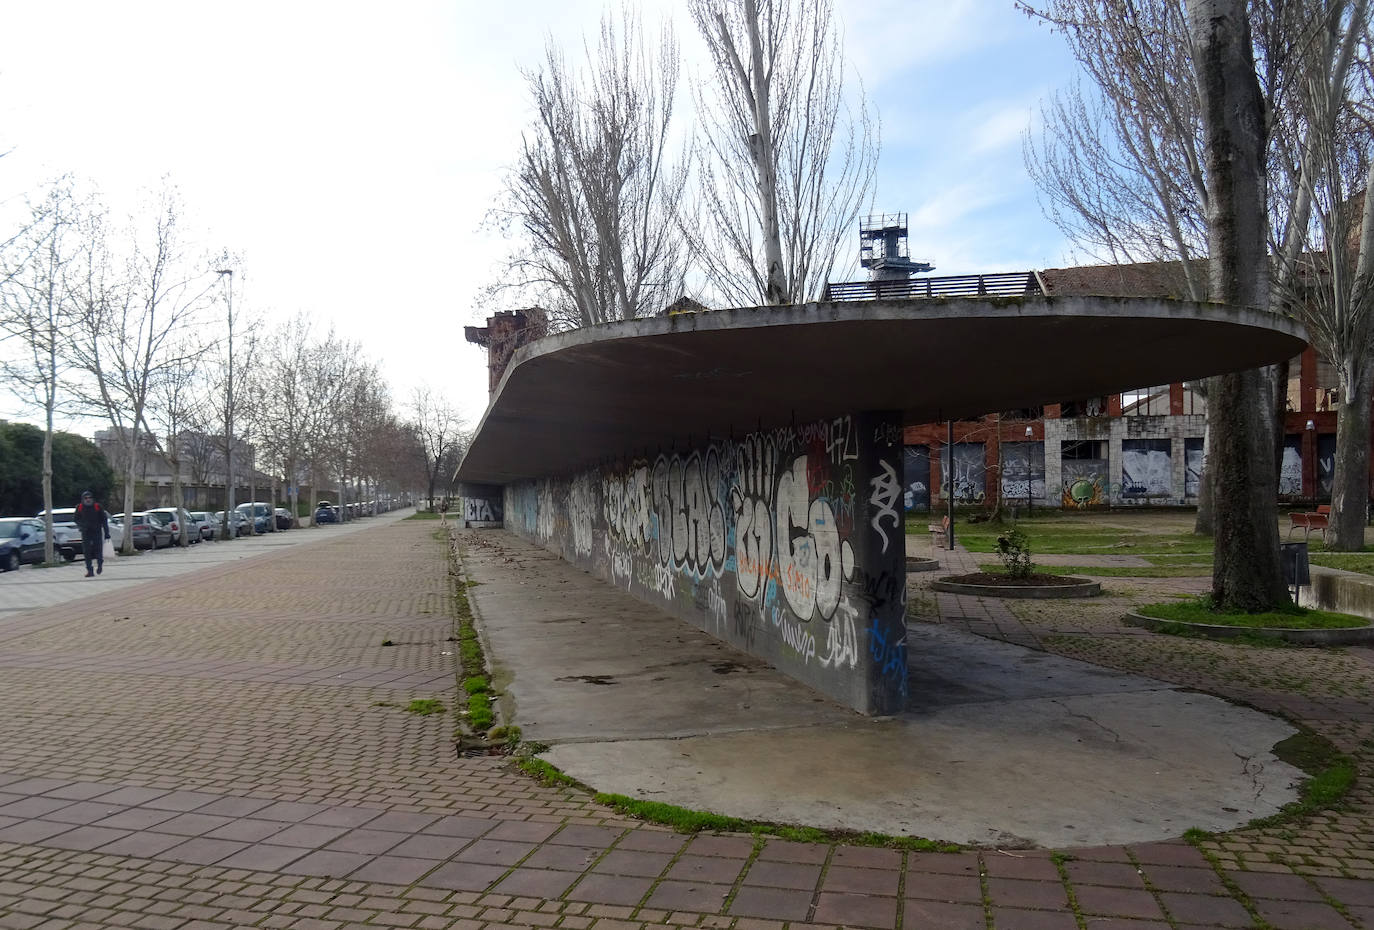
<point x="1006" y="284"/>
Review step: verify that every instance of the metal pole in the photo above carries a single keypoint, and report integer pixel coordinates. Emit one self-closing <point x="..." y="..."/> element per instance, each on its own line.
<point x="225" y="532"/>
<point x="949" y="483"/>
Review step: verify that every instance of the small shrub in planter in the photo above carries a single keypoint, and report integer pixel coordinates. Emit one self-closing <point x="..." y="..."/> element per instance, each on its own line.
<point x="1013" y="548"/>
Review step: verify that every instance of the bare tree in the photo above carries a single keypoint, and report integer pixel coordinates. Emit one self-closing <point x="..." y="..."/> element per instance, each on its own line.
<point x="1324" y="271"/>
<point x="1132" y="186"/>
<point x="1246" y="573"/>
<point x="285" y="411"/>
<point x="596" y="184"/>
<point x="132" y="320"/>
<point x="1119" y="166"/>
<point x="36" y="310"/>
<point x="175" y="400"/>
<point x="438" y="427"/>
<point x="786" y="163"/>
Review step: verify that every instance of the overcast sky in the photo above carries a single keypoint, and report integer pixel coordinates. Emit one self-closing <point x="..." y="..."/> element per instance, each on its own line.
<point x="349" y="151"/>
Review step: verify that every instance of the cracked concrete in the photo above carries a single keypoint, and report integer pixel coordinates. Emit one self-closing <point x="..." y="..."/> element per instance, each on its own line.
<point x="1000" y="745"/>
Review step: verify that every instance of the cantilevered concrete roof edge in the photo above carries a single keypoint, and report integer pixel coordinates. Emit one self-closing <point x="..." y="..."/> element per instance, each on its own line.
<point x="575" y="398"/>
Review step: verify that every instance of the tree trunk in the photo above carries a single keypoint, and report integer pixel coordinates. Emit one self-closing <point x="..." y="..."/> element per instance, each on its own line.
<point x="1350" y="483"/>
<point x="177" y="496"/>
<point x="1246" y="574"/>
<point x="776" y="282"/>
<point x="49" y="555"/>
<point x="126" y="545"/>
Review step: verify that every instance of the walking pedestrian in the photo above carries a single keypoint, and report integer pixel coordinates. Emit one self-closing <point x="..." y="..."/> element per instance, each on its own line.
<point x="94" y="524"/>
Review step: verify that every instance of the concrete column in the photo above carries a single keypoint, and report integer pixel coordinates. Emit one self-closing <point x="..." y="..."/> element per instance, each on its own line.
<point x="879" y="544"/>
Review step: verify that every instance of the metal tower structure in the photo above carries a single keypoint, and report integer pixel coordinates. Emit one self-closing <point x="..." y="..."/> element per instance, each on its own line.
<point x="883" y="248"/>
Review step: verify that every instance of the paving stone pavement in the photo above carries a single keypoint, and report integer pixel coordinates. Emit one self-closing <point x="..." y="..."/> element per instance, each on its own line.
<point x="230" y="748"/>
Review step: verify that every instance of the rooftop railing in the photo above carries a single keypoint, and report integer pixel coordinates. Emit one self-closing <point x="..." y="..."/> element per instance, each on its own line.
<point x="1007" y="284"/>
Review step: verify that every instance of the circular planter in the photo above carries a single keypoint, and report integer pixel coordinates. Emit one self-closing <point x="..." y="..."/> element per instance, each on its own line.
<point x="914" y="564"/>
<point x="1348" y="636"/>
<point x="1070" y="587"/>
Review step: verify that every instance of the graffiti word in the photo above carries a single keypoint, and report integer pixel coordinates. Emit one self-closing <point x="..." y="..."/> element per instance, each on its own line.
<point x="752" y="502"/>
<point x="716" y="604"/>
<point x="812" y="559"/>
<point x="835" y="436"/>
<point x="626" y="500"/>
<point x="622" y="565"/>
<point x="581" y="513"/>
<point x="665" y="581"/>
<point x="841" y="643"/>
<point x="887" y="434"/>
<point x="799" y="640"/>
<point x="886" y="491"/>
<point x="688" y="507"/>
<point x="479" y="510"/>
<point x="888" y="653"/>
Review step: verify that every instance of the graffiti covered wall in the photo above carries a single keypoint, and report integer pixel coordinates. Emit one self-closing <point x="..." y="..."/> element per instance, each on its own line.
<point x="482" y="504"/>
<point x="788" y="544"/>
<point x="1147" y="469"/>
<point x="916" y="478"/>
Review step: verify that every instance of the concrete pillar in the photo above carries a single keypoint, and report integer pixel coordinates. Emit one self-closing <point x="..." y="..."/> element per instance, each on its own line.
<point x="879" y="544"/>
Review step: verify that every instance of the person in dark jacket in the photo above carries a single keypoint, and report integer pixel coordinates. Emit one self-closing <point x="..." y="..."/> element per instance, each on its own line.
<point x="94" y="524"/>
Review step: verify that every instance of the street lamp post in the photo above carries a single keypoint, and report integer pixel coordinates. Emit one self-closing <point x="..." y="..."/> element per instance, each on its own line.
<point x="229" y="418"/>
<point x="1030" y="435"/>
<point x="1310" y="453"/>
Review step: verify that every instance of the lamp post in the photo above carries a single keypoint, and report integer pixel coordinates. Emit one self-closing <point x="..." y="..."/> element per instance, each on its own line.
<point x="1030" y="435"/>
<point x="229" y="417"/>
<point x="1311" y="453"/>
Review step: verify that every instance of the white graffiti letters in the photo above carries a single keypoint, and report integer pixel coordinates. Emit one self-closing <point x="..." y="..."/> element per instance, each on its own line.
<point x="886" y="491"/>
<point x="751" y="500"/>
<point x="812" y="560"/>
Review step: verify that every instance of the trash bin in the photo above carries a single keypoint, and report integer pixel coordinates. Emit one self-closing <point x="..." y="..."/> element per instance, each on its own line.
<point x="1293" y="558"/>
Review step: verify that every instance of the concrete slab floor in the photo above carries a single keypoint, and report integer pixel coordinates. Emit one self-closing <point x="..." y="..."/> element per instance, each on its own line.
<point x="1001" y="745"/>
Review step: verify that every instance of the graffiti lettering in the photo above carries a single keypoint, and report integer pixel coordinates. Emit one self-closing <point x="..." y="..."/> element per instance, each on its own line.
<point x="799" y="640"/>
<point x="888" y="653"/>
<point x="481" y="510"/>
<point x="752" y="503"/>
<point x="812" y="558"/>
<point x="841" y="644"/>
<point x="886" y="491"/>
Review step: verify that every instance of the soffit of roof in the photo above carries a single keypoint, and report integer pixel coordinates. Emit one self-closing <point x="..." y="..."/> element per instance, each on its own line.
<point x="629" y="389"/>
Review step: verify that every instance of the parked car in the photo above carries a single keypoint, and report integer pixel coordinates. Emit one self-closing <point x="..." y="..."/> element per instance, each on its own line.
<point x="205" y="523"/>
<point x="173" y="518"/>
<point x="66" y="535"/>
<point x="160" y="523"/>
<point x="237" y="521"/>
<point x="261" y="515"/>
<point x="325" y="514"/>
<point x="21" y="540"/>
<point x="144" y="535"/>
<point x="284" y="520"/>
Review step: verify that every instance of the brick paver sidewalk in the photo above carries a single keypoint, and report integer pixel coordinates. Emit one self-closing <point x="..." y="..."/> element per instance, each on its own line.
<point x="231" y="748"/>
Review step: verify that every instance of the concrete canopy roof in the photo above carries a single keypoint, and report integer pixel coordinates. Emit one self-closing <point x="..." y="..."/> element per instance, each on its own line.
<point x="570" y="400"/>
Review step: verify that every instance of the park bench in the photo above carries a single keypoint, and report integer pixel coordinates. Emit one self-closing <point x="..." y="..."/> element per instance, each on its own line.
<point x="1310" y="521"/>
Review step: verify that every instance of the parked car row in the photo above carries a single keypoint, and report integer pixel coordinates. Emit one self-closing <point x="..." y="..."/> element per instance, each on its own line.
<point x="22" y="538"/>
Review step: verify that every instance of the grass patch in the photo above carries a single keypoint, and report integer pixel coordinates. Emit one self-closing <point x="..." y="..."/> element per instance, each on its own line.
<point x="425" y="515"/>
<point x="689" y="821"/>
<point x="1199" y="610"/>
<point x="1079" y="534"/>
<point x="1332" y="775"/>
<point x="480" y="714"/>
<point x="1362" y="562"/>
<point x="1177" y="570"/>
<point x="547" y="774"/>
<point x="424" y="707"/>
<point x="475" y="685"/>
